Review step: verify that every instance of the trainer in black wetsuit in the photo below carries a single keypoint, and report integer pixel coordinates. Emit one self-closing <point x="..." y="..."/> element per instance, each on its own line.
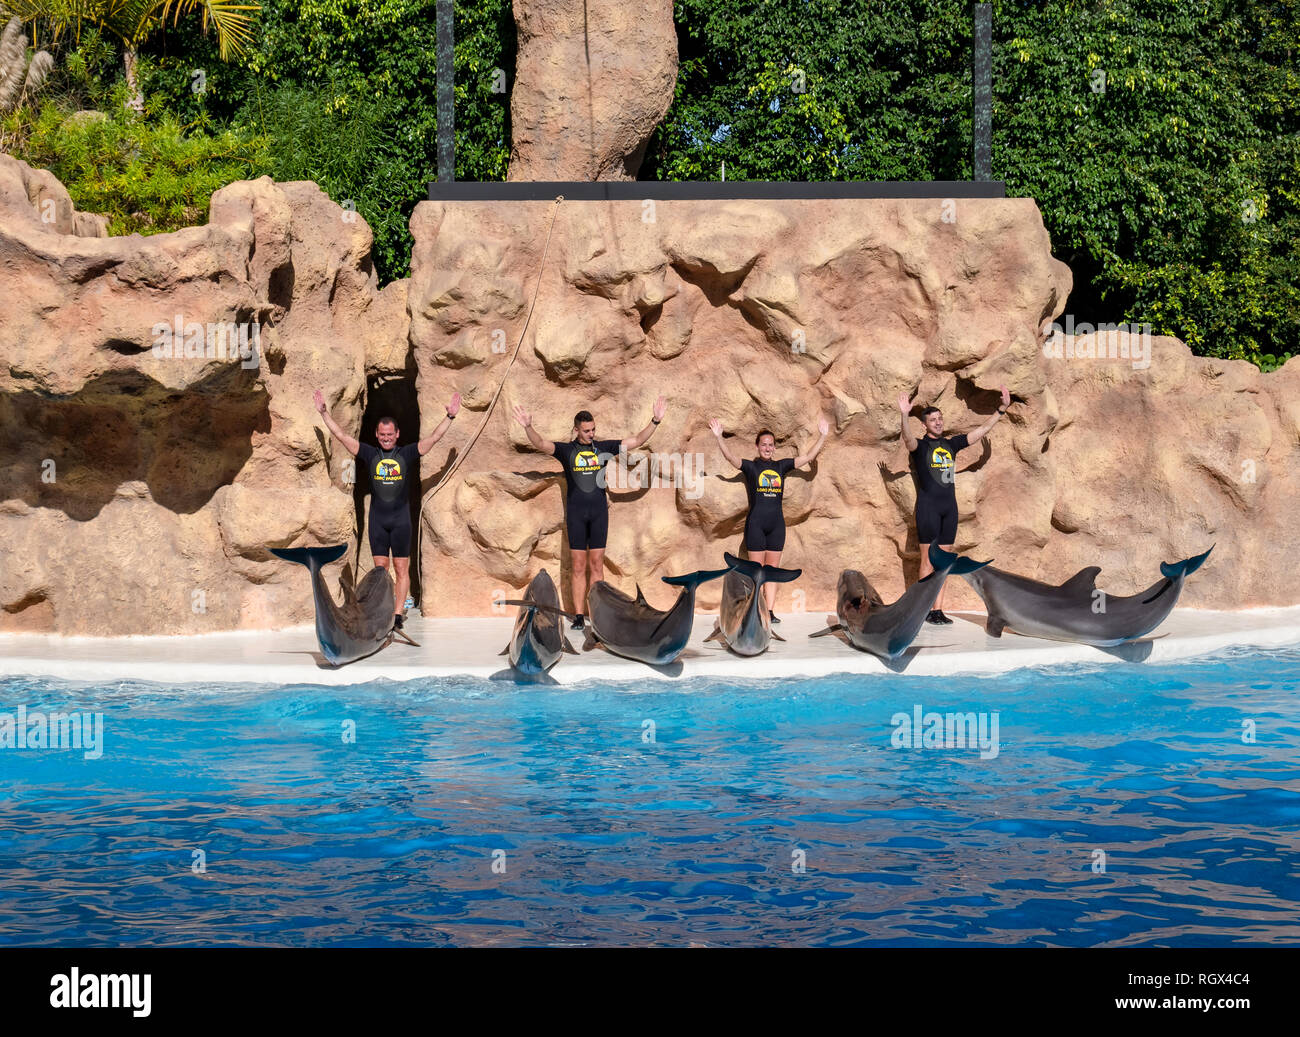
<point x="765" y="486"/>
<point x="394" y="474"/>
<point x="765" y="523"/>
<point x="933" y="459"/>
<point x="586" y="505"/>
<point x="586" y="508"/>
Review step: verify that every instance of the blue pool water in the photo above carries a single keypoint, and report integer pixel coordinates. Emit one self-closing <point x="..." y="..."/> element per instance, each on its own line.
<point x="476" y="812"/>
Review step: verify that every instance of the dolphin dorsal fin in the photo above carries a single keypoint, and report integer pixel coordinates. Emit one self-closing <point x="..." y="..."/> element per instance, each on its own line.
<point x="1084" y="581"/>
<point x="640" y="598"/>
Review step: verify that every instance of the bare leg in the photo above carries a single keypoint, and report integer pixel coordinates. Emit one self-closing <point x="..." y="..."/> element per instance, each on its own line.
<point x="769" y="589"/>
<point x="926" y="567"/>
<point x="938" y="603"/>
<point x="402" y="574"/>
<point x="578" y="581"/>
<point x="595" y="568"/>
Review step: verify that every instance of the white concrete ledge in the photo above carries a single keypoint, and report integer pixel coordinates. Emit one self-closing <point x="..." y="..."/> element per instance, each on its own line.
<point x="470" y="647"/>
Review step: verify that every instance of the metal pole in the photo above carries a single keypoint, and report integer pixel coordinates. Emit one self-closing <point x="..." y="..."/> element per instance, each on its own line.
<point x="982" y="79"/>
<point x="444" y="71"/>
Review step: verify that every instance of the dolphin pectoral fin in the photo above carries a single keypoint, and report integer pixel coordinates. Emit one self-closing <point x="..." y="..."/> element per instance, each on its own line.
<point x="504" y="651"/>
<point x="995" y="626"/>
<point x="776" y="636"/>
<point x="398" y="635"/>
<point x="566" y="647"/>
<point x="541" y="608"/>
<point x="589" y="641"/>
<point x="717" y="633"/>
<point x="828" y="630"/>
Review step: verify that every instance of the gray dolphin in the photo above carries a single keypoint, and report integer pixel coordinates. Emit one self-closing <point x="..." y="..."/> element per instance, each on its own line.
<point x="744" y="624"/>
<point x="888" y="630"/>
<point x="635" y="629"/>
<point x="1076" y="610"/>
<point x="538" y="640"/>
<point x="363" y="624"/>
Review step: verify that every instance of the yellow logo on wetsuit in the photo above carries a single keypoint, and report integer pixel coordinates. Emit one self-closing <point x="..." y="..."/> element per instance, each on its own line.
<point x="769" y="482"/>
<point x="940" y="458"/>
<point x="585" y="461"/>
<point x="388" y="471"/>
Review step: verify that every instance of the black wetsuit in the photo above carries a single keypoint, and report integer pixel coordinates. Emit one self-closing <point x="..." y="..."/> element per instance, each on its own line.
<point x="934" y="466"/>
<point x="392" y="474"/>
<point x="765" y="484"/>
<point x="586" y="508"/>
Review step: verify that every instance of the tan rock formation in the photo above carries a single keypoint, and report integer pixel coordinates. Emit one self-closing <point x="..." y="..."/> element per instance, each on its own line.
<point x="769" y="313"/>
<point x="138" y="492"/>
<point x="593" y="79"/>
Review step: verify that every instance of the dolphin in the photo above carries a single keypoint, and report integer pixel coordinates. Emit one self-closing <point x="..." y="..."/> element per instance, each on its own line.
<point x="744" y="624"/>
<point x="888" y="630"/>
<point x="1076" y="610"/>
<point x="363" y="624"/>
<point x="633" y="628"/>
<point x="538" y="640"/>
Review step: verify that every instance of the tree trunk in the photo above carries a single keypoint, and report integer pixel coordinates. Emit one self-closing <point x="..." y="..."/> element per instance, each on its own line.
<point x="136" y="103"/>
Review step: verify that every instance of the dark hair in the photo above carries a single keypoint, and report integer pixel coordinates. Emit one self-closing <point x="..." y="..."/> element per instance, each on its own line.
<point x="928" y="411"/>
<point x="386" y="420"/>
<point x="764" y="432"/>
<point x="581" y="416"/>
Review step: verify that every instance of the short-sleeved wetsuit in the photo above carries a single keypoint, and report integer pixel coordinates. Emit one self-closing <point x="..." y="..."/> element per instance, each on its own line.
<point x="934" y="466"/>
<point x="392" y="474"/>
<point x="765" y="485"/>
<point x="586" y="508"/>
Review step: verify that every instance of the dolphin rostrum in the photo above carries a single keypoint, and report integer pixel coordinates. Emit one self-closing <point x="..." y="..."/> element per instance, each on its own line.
<point x="1077" y="610"/>
<point x="744" y="624"/>
<point x="635" y="629"/>
<point x="888" y="630"/>
<point x="538" y="640"/>
<point x="363" y="624"/>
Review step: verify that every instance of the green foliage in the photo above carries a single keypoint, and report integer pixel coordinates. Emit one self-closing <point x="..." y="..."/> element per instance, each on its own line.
<point x="147" y="176"/>
<point x="1173" y="195"/>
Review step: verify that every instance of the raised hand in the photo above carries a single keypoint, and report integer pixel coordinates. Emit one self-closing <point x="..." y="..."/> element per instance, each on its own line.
<point x="715" y="426"/>
<point x="660" y="406"/>
<point x="522" y="416"/>
<point x="318" y="398"/>
<point x="904" y="404"/>
<point x="1006" y="396"/>
<point x="823" y="426"/>
<point x="453" y="408"/>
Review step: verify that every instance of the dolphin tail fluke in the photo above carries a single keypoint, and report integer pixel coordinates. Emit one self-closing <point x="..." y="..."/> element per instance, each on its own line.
<point x="940" y="558"/>
<point x="964" y="565"/>
<point x="312" y="557"/>
<point x="761" y="573"/>
<point x="696" y="578"/>
<point x="1185" y="568"/>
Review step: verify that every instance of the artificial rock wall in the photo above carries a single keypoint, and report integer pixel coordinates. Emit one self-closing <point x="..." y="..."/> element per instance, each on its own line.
<point x="139" y="494"/>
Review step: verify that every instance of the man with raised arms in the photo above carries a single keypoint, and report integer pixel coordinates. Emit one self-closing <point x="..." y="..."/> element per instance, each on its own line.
<point x="586" y="507"/>
<point x="394" y="472"/>
<point x="933" y="460"/>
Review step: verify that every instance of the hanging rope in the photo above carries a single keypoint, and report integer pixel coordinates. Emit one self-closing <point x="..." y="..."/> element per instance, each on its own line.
<point x="487" y="415"/>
